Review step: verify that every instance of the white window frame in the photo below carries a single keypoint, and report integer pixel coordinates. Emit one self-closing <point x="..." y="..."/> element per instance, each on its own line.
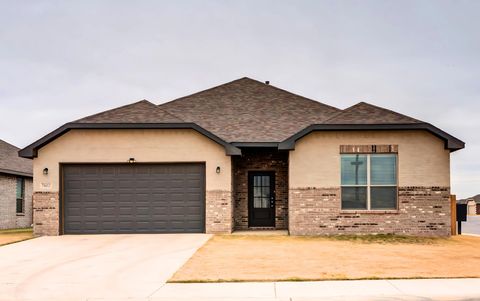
<point x="369" y="185"/>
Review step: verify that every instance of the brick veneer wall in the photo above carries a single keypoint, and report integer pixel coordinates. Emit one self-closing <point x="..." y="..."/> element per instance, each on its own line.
<point x="219" y="208"/>
<point x="9" y="218"/>
<point x="422" y="211"/>
<point x="260" y="160"/>
<point x="45" y="213"/>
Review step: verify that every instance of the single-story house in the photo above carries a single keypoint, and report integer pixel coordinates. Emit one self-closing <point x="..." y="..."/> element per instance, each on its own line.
<point x="473" y="204"/>
<point x="15" y="188"/>
<point x="239" y="156"/>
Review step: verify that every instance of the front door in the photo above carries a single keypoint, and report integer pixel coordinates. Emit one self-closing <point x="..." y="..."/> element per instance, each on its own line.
<point x="261" y="199"/>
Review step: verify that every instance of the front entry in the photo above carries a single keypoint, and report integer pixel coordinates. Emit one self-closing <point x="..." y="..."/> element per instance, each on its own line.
<point x="261" y="199"/>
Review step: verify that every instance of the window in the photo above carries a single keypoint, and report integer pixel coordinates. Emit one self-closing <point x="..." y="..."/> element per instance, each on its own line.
<point x="20" y="195"/>
<point x="369" y="181"/>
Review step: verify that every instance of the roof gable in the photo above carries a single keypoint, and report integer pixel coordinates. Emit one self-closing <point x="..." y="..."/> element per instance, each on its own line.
<point x="11" y="163"/>
<point x="246" y="110"/>
<point x="139" y="112"/>
<point x="365" y="113"/>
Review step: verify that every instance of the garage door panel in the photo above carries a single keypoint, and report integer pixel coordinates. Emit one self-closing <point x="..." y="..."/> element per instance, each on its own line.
<point x="134" y="198"/>
<point x="106" y="184"/>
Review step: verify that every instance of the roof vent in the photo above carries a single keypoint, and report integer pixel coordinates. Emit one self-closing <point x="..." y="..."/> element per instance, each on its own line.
<point x="267" y="82"/>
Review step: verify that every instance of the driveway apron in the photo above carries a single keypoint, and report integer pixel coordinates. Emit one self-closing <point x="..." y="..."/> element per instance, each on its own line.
<point x="93" y="266"/>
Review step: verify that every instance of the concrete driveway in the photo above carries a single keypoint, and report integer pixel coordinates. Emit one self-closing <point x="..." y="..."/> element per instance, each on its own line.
<point x="93" y="266"/>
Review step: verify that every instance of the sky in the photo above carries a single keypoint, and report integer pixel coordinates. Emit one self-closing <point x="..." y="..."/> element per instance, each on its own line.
<point x="63" y="60"/>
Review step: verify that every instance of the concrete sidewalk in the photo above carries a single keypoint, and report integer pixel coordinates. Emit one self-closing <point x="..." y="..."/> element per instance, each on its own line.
<point x="421" y="289"/>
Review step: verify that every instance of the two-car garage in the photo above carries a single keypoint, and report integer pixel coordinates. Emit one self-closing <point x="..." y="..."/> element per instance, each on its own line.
<point x="133" y="198"/>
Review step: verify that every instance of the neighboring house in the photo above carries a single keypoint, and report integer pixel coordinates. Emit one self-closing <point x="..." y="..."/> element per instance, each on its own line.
<point x="471" y="207"/>
<point x="473" y="204"/>
<point x="15" y="188"/>
<point x="243" y="155"/>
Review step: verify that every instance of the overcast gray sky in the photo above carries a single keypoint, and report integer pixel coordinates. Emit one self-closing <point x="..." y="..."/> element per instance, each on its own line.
<point x="62" y="60"/>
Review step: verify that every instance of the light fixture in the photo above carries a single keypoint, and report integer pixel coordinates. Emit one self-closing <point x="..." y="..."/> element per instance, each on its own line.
<point x="131" y="160"/>
<point x="218" y="169"/>
<point x="45" y="171"/>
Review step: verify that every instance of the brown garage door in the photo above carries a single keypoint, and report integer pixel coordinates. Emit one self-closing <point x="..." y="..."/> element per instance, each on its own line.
<point x="133" y="198"/>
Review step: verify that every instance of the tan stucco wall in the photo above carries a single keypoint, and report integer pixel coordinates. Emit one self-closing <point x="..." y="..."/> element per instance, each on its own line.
<point x="422" y="158"/>
<point x="109" y="146"/>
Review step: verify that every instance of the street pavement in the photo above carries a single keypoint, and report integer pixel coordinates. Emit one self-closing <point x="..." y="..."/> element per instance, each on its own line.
<point x="472" y="225"/>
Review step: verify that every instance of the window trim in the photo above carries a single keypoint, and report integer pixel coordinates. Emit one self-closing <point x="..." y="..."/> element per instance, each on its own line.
<point x="368" y="186"/>
<point x="22" y="199"/>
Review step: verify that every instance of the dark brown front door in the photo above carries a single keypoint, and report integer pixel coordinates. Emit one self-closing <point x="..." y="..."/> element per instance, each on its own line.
<point x="261" y="199"/>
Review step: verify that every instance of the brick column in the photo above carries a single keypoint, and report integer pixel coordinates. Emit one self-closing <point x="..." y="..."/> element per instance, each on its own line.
<point x="45" y="213"/>
<point x="219" y="211"/>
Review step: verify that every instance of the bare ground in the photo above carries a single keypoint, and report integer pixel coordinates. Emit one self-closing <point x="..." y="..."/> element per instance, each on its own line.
<point x="282" y="258"/>
<point x="14" y="235"/>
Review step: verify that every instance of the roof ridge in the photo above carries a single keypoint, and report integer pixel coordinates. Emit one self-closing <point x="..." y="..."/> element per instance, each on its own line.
<point x="253" y="80"/>
<point x="343" y="111"/>
<point x="116" y="108"/>
<point x="371" y="105"/>
<point x="298" y="95"/>
<point x="157" y="107"/>
<point x="202" y="91"/>
<point x="388" y="110"/>
<point x="3" y="141"/>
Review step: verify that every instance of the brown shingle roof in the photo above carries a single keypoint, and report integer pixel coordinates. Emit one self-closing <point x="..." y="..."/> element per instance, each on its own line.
<point x="246" y="110"/>
<point x="138" y="112"/>
<point x="365" y="113"/>
<point x="11" y="163"/>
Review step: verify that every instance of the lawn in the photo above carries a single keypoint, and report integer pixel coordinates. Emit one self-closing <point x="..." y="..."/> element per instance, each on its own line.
<point x="293" y="258"/>
<point x="15" y="235"/>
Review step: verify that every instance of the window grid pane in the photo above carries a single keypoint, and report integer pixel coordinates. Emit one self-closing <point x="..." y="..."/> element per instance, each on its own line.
<point x="354" y="169"/>
<point x="354" y="197"/>
<point x="384" y="197"/>
<point x="19" y="206"/>
<point x="20" y="188"/>
<point x="383" y="169"/>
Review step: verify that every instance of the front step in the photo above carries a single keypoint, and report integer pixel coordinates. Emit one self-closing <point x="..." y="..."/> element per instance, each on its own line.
<point x="261" y="232"/>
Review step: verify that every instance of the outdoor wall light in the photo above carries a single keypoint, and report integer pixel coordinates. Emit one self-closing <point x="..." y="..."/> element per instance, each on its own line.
<point x="45" y="171"/>
<point x="218" y="169"/>
<point x="131" y="160"/>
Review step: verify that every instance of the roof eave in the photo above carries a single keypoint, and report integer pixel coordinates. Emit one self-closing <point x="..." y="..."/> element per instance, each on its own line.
<point x="451" y="143"/>
<point x="255" y="144"/>
<point x="16" y="173"/>
<point x="32" y="150"/>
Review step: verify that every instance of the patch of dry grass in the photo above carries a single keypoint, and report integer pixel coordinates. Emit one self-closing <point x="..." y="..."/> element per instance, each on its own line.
<point x="15" y="235"/>
<point x="291" y="258"/>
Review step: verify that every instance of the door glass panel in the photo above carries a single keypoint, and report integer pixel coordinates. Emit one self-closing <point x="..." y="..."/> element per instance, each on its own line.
<point x="257" y="191"/>
<point x="265" y="181"/>
<point x="261" y="191"/>
<point x="265" y="192"/>
<point x="257" y="202"/>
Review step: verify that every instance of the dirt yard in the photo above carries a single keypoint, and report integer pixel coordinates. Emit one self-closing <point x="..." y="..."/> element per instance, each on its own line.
<point x="14" y="235"/>
<point x="290" y="258"/>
